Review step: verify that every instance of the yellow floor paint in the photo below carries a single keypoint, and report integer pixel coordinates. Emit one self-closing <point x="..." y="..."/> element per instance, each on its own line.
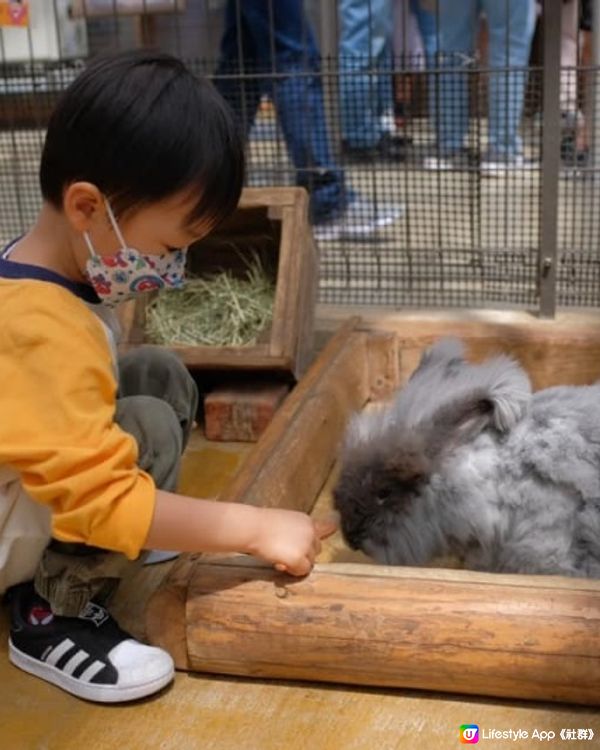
<point x="206" y="471"/>
<point x="200" y="712"/>
<point x="207" y="466"/>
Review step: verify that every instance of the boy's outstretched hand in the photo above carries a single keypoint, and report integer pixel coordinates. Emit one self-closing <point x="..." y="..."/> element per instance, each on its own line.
<point x="290" y="539"/>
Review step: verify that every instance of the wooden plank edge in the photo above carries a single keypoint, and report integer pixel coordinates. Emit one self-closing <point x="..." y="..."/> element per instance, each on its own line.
<point x="432" y="575"/>
<point x="321" y="375"/>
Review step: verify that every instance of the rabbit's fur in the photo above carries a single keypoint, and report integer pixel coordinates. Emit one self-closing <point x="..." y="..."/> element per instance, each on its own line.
<point x="467" y="462"/>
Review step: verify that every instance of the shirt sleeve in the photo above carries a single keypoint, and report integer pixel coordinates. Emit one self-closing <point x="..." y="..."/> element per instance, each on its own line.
<point x="57" y="428"/>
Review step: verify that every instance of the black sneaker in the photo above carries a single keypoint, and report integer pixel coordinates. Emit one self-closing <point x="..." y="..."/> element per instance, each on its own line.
<point x="388" y="148"/>
<point x="88" y="656"/>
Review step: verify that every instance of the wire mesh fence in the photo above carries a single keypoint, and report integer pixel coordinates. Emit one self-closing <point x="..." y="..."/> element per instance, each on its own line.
<point x="448" y="165"/>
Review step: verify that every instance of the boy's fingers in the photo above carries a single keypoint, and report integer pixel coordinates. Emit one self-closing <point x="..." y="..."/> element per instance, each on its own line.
<point x="325" y="527"/>
<point x="305" y="568"/>
<point x="301" y="568"/>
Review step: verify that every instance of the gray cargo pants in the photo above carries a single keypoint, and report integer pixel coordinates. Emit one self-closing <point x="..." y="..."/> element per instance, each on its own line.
<point x="157" y="403"/>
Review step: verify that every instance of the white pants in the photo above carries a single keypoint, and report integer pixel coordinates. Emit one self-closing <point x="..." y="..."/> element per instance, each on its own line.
<point x="24" y="531"/>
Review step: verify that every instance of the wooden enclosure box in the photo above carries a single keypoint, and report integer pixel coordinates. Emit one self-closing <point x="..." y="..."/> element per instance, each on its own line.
<point x="518" y="636"/>
<point x="273" y="224"/>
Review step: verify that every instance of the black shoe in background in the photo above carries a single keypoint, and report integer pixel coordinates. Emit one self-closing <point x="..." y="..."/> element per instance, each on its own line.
<point x="388" y="148"/>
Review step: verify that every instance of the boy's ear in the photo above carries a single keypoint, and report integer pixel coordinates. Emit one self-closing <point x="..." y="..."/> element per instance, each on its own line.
<point x="82" y="204"/>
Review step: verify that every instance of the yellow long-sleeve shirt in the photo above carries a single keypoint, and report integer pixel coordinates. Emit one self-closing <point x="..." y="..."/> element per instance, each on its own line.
<point x="57" y="428"/>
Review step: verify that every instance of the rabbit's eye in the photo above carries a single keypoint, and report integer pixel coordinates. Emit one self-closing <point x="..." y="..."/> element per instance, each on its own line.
<point x="382" y="496"/>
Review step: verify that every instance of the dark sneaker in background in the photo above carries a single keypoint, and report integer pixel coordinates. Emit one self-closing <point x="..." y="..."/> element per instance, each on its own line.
<point x="389" y="148"/>
<point x="448" y="161"/>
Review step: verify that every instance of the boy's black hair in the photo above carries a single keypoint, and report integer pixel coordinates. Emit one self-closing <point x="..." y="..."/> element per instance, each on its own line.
<point x="141" y="127"/>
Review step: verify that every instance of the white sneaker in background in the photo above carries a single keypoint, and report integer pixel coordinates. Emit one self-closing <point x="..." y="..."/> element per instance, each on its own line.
<point x="496" y="165"/>
<point x="360" y="221"/>
<point x="438" y="163"/>
<point x="387" y="122"/>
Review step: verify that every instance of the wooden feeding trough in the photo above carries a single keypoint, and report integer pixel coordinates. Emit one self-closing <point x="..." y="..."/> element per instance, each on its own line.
<point x="533" y="637"/>
<point x="272" y="225"/>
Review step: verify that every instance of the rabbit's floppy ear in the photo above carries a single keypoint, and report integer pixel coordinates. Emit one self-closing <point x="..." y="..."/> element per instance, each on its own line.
<point x="445" y="352"/>
<point x="445" y="403"/>
<point x="457" y="422"/>
<point x="495" y="393"/>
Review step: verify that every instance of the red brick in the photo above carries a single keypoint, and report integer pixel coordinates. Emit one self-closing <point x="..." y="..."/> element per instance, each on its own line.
<point x="241" y="412"/>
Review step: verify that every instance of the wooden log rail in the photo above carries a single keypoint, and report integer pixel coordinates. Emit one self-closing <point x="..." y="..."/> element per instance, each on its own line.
<point x="532" y="637"/>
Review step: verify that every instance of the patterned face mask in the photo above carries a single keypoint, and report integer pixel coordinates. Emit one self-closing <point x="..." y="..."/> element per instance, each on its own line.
<point x="129" y="272"/>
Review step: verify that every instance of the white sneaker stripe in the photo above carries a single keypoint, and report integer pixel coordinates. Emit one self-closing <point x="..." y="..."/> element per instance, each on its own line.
<point x="59" y="651"/>
<point x="89" y="673"/>
<point x="75" y="661"/>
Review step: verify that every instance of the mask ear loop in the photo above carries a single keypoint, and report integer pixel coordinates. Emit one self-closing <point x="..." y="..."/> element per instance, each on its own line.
<point x="90" y="246"/>
<point x="115" y="226"/>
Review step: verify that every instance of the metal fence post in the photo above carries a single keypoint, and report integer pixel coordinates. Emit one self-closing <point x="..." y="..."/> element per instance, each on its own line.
<point x="548" y="227"/>
<point x="328" y="47"/>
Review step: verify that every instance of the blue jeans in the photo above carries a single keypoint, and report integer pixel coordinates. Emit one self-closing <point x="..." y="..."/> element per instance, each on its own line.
<point x="509" y="21"/>
<point x="426" y="22"/>
<point x="365" y="69"/>
<point x="269" y="48"/>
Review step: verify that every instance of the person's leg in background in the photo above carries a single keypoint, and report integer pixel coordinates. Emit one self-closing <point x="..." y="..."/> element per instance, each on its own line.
<point x="428" y="29"/>
<point x="365" y="77"/>
<point x="572" y="145"/>
<point x="457" y="27"/>
<point x="427" y="23"/>
<point x="511" y="25"/>
<point x="264" y="37"/>
<point x="336" y="210"/>
<point x="391" y="141"/>
<point x="569" y="32"/>
<point x="238" y="61"/>
<point x="409" y="59"/>
<point x="300" y="106"/>
<point x="585" y="134"/>
<point x="360" y="130"/>
<point x="284" y="44"/>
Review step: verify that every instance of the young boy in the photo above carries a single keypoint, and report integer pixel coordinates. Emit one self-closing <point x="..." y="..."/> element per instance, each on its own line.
<point x="140" y="160"/>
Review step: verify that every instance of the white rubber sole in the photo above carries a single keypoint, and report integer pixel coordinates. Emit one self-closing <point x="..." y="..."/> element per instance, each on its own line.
<point x="87" y="691"/>
<point x="504" y="170"/>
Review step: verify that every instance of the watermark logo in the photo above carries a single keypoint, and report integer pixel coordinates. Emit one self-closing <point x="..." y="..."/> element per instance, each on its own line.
<point x="469" y="734"/>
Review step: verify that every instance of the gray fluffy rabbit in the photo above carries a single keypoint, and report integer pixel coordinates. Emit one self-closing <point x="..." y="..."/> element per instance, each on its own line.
<point x="467" y="462"/>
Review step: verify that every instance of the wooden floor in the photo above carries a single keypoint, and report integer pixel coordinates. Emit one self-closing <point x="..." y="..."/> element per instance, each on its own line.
<point x="215" y="713"/>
